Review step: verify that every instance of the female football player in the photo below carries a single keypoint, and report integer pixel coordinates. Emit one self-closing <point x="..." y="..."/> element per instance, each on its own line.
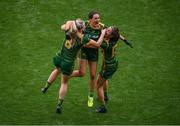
<point x="90" y="55"/>
<point x="110" y="64"/>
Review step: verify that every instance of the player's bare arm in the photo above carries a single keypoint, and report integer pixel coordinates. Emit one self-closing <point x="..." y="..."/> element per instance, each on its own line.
<point x="94" y="44"/>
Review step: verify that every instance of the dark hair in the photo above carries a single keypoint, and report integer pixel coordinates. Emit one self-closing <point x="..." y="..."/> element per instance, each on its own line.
<point x="115" y="34"/>
<point x="92" y="13"/>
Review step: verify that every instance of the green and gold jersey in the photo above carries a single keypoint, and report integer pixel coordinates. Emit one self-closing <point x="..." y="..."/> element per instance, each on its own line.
<point x="70" y="49"/>
<point x="91" y="54"/>
<point x="91" y="32"/>
<point x="109" y="52"/>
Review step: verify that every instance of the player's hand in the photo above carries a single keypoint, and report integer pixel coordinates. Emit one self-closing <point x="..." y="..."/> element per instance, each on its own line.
<point x="103" y="31"/>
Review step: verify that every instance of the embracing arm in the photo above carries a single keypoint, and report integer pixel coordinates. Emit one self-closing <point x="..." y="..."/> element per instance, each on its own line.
<point x="97" y="44"/>
<point x="66" y="26"/>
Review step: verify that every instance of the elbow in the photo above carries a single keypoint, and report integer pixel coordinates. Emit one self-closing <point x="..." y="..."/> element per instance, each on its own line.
<point x="63" y="28"/>
<point x="97" y="46"/>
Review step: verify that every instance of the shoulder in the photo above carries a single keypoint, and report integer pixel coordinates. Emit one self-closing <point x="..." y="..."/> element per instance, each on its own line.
<point x="104" y="44"/>
<point x="86" y="23"/>
<point x="113" y="43"/>
<point x="101" y="25"/>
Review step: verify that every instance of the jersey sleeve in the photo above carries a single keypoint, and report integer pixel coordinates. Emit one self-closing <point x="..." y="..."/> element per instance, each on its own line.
<point x="85" y="39"/>
<point x="86" y="23"/>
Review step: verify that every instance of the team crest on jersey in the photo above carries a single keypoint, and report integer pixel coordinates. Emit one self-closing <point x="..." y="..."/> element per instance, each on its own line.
<point x="68" y="44"/>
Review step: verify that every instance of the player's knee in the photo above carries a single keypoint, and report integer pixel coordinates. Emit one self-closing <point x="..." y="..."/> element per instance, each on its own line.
<point x="57" y="71"/>
<point x="82" y="73"/>
<point x="98" y="85"/>
<point x="93" y="76"/>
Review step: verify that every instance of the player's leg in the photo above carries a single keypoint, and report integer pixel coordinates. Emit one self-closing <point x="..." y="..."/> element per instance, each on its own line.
<point x="82" y="69"/>
<point x="108" y="74"/>
<point x="62" y="92"/>
<point x="100" y="92"/>
<point x="92" y="83"/>
<point x="51" y="79"/>
<point x="100" y="89"/>
<point x="105" y="87"/>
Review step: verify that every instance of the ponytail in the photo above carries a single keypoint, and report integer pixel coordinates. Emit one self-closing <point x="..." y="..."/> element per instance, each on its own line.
<point x="115" y="34"/>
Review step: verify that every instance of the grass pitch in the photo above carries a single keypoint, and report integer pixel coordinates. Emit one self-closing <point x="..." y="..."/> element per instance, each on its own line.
<point x="144" y="90"/>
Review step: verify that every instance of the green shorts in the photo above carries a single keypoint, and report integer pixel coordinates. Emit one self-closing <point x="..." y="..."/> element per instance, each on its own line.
<point x="65" y="67"/>
<point x="89" y="54"/>
<point x="108" y="70"/>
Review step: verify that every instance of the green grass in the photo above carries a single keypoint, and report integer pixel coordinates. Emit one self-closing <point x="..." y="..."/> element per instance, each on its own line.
<point x="144" y="90"/>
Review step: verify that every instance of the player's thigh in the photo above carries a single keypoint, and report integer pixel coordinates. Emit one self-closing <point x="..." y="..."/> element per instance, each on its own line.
<point x="82" y="65"/>
<point x="64" y="79"/>
<point x="92" y="68"/>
